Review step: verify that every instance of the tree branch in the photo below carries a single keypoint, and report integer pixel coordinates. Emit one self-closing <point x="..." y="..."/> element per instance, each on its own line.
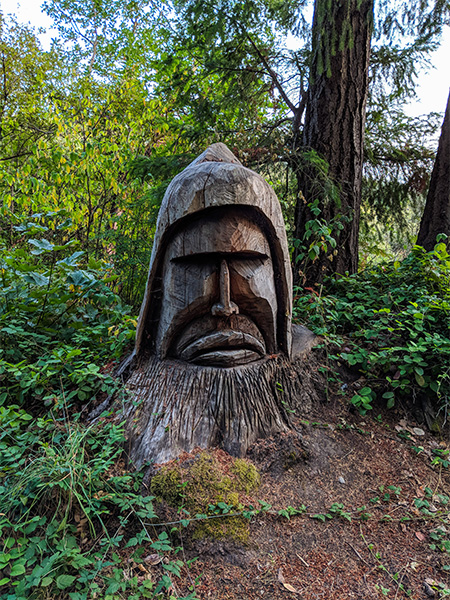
<point x="16" y="156"/>
<point x="272" y="74"/>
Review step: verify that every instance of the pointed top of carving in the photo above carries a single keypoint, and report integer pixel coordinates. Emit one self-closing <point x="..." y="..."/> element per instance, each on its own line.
<point x="216" y="153"/>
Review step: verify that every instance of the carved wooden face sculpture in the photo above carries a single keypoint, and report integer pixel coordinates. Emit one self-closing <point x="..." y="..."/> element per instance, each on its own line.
<point x="219" y="303"/>
<point x="219" y="288"/>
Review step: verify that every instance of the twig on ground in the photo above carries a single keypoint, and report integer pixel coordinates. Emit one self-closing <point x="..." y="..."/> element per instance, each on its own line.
<point x="357" y="553"/>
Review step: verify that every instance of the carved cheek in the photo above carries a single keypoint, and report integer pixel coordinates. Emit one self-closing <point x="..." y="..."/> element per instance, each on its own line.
<point x="204" y="281"/>
<point x="253" y="290"/>
<point x="252" y="280"/>
<point x="188" y="289"/>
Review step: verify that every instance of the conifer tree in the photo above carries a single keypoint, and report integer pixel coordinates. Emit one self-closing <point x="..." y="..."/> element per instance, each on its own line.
<point x="334" y="129"/>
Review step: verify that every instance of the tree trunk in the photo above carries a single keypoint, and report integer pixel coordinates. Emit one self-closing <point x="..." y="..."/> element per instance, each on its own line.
<point x="334" y="129"/>
<point x="436" y="216"/>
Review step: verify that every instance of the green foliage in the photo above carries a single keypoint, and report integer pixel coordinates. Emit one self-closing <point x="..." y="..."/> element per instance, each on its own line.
<point x="59" y="319"/>
<point x="440" y="541"/>
<point x="337" y="509"/>
<point x="290" y="511"/>
<point x="440" y="458"/>
<point x="396" y="177"/>
<point x="362" y="400"/>
<point x="391" y="323"/>
<point x="325" y="219"/>
<point x="69" y="510"/>
<point x="320" y="236"/>
<point x="90" y="134"/>
<point x="108" y="38"/>
<point x="69" y="141"/>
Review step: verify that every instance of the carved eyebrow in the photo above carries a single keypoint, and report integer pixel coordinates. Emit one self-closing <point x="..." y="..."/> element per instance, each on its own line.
<point x="208" y="257"/>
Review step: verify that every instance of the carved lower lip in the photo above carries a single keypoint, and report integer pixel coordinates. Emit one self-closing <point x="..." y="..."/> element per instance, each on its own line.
<point x="227" y="358"/>
<point x="226" y="347"/>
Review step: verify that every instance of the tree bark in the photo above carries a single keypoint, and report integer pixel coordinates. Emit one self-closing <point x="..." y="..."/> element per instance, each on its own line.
<point x="175" y="407"/>
<point x="436" y="216"/>
<point x="334" y="129"/>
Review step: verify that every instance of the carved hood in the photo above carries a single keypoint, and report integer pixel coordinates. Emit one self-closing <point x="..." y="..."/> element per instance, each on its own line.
<point x="217" y="179"/>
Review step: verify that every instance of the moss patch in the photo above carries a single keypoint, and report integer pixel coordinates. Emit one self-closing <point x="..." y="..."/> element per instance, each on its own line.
<point x="211" y="484"/>
<point x="166" y="485"/>
<point x="247" y="475"/>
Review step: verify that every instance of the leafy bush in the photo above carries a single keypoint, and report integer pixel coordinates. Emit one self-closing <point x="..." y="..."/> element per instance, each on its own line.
<point x="392" y="323"/>
<point x="59" y="318"/>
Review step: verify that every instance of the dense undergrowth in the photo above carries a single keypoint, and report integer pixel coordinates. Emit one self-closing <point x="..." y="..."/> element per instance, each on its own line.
<point x="60" y="321"/>
<point x="391" y="325"/>
<point x="70" y="511"/>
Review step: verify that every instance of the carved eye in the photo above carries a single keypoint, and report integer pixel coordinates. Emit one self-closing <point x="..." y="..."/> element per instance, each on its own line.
<point x="217" y="257"/>
<point x="246" y="267"/>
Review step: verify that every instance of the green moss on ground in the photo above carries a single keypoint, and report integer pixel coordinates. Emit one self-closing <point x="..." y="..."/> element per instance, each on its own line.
<point x="210" y="484"/>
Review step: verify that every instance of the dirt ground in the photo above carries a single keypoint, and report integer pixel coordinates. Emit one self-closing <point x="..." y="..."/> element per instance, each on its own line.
<point x="389" y="499"/>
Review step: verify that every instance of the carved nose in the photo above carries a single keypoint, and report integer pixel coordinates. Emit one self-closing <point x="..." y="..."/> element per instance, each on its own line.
<point x="225" y="307"/>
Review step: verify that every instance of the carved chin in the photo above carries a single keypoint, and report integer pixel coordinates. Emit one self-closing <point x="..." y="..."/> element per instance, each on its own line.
<point x="220" y="342"/>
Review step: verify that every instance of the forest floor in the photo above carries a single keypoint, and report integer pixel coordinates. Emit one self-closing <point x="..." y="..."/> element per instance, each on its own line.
<point x="387" y="535"/>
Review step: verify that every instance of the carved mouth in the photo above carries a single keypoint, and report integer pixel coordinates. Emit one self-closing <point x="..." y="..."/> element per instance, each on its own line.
<point x="222" y="343"/>
<point x="224" y="348"/>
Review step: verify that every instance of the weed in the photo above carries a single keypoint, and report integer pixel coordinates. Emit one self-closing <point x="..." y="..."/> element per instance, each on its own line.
<point x="362" y="400"/>
<point x="440" y="541"/>
<point x="441" y="457"/>
<point x="335" y="510"/>
<point x="290" y="511"/>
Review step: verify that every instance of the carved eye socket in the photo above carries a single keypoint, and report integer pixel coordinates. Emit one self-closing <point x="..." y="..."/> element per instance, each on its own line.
<point x="216" y="258"/>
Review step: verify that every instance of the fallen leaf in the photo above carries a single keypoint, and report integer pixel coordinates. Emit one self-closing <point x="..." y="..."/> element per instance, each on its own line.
<point x="420" y="536"/>
<point x="418" y="431"/>
<point x="281" y="578"/>
<point x="82" y="524"/>
<point x="290" y="588"/>
<point x="153" y="559"/>
<point x="428" y="590"/>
